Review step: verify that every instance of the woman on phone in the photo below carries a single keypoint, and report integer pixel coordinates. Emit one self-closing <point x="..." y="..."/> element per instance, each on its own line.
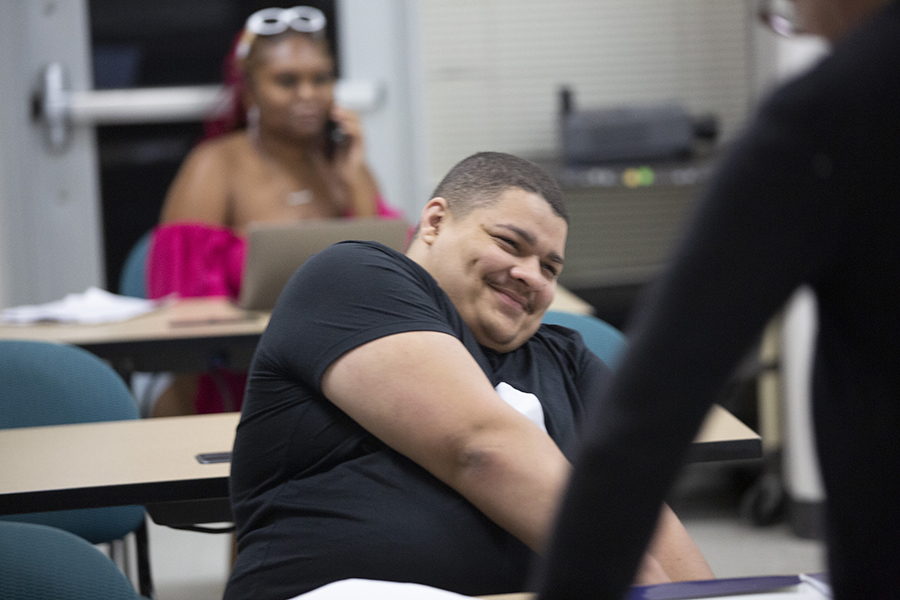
<point x="284" y="152"/>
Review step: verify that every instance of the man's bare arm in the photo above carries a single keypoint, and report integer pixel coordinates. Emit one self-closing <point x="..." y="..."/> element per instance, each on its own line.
<point x="424" y="395"/>
<point x="673" y="548"/>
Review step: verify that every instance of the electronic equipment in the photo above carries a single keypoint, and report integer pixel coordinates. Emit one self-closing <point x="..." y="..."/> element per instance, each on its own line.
<point x="653" y="132"/>
<point x="275" y="251"/>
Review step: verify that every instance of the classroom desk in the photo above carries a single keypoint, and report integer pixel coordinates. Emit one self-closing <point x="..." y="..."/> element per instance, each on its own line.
<point x="144" y="461"/>
<point x="152" y="462"/>
<point x="188" y="336"/>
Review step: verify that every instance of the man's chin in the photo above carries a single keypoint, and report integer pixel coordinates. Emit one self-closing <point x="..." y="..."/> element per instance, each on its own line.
<point x="506" y="339"/>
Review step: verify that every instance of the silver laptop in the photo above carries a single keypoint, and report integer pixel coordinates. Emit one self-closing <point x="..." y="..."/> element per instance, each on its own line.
<point x="275" y="251"/>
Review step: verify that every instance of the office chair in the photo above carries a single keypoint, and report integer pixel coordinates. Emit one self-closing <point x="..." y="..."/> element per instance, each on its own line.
<point x="56" y="384"/>
<point x="38" y="562"/>
<point x="603" y="339"/>
<point x="133" y="279"/>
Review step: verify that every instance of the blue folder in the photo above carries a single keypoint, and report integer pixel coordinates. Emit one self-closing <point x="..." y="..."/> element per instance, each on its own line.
<point x="719" y="587"/>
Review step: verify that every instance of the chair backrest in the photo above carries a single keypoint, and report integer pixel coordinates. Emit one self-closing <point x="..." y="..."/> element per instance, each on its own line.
<point x="603" y="339"/>
<point x="44" y="563"/>
<point x="56" y="384"/>
<point x="133" y="280"/>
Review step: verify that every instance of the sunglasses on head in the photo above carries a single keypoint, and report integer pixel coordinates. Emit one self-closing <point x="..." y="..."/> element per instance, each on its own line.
<point x="272" y="21"/>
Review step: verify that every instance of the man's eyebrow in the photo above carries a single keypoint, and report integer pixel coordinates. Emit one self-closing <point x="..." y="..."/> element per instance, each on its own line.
<point x="530" y="239"/>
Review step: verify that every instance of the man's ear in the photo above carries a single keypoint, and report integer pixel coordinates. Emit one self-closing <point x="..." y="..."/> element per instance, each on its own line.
<point x="434" y="217"/>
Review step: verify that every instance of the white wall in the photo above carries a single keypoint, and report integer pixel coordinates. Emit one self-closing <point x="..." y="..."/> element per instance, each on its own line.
<point x="380" y="43"/>
<point x="493" y="67"/>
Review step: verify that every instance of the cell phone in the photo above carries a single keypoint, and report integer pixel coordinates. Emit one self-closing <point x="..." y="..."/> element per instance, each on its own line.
<point x="209" y="458"/>
<point x="334" y="136"/>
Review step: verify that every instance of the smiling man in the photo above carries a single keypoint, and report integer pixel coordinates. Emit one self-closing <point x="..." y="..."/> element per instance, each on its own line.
<point x="408" y="417"/>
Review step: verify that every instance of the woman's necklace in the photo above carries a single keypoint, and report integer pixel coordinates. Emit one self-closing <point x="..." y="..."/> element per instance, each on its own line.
<point x="298" y="198"/>
<point x="291" y="197"/>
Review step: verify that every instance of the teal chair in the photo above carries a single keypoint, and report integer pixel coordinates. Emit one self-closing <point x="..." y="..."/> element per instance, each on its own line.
<point x="38" y="562"/>
<point x="603" y="339"/>
<point x="132" y="281"/>
<point x="56" y="384"/>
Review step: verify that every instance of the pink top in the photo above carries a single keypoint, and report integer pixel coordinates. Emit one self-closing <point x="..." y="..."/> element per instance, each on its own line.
<point x="194" y="259"/>
<point x="197" y="259"/>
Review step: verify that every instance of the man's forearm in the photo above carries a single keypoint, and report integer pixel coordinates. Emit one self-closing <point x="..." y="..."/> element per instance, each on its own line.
<point x="676" y="552"/>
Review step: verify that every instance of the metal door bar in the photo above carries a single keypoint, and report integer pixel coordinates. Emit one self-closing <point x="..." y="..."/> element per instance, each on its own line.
<point x="59" y="109"/>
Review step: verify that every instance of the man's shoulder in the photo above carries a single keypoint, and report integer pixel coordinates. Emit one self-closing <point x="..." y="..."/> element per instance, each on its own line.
<point x="357" y="250"/>
<point x="363" y="260"/>
<point x="354" y="256"/>
<point x="350" y="268"/>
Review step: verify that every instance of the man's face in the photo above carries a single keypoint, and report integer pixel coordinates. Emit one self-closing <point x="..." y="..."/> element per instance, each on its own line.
<point x="499" y="265"/>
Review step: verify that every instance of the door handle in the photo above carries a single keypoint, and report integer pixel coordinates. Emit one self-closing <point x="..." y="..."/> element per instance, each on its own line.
<point x="58" y="108"/>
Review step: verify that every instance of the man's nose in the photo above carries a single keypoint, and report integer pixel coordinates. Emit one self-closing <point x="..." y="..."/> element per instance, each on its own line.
<point x="528" y="270"/>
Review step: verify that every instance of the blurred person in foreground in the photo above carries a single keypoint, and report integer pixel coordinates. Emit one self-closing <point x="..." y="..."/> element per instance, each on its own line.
<point x="408" y="416"/>
<point x="809" y="194"/>
<point x="282" y="151"/>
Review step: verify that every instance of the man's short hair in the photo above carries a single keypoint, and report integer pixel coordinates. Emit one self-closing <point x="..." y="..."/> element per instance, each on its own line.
<point x="479" y="180"/>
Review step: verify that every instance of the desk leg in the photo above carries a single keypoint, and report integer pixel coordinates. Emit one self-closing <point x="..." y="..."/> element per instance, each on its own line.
<point x="145" y="580"/>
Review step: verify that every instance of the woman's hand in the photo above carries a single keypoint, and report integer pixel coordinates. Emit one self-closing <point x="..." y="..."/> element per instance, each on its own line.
<point x="350" y="154"/>
<point x="349" y="164"/>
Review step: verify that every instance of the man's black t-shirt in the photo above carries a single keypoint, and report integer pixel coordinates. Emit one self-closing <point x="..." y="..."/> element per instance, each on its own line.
<point x="317" y="498"/>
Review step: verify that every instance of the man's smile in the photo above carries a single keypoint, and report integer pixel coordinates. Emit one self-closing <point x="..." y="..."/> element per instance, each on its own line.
<point x="512" y="298"/>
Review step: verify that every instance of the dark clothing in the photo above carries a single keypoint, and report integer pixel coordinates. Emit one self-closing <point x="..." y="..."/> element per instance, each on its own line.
<point x="316" y="497"/>
<point x="810" y="194"/>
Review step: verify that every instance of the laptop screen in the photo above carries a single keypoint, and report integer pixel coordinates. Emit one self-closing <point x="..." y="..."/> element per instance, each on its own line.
<point x="275" y="251"/>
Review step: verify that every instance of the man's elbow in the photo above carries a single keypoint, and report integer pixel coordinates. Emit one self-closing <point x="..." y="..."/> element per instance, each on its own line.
<point x="494" y="455"/>
<point x="480" y="456"/>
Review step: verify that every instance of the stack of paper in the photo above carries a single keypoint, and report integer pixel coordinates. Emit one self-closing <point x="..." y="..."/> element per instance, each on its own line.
<point x="93" y="306"/>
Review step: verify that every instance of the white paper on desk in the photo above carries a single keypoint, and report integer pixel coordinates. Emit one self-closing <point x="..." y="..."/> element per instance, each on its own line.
<point x="92" y="307"/>
<point x="369" y="589"/>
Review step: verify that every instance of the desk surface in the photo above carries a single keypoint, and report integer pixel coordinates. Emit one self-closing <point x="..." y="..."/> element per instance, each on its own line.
<point x="188" y="318"/>
<point x="114" y="463"/>
<point x="153" y="462"/>
<point x="190" y="335"/>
